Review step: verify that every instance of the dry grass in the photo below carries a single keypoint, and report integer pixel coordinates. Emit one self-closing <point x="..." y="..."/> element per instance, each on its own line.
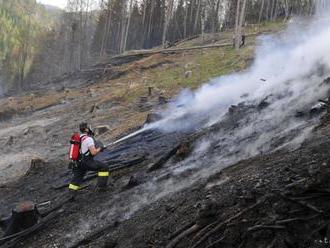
<point x="166" y="74"/>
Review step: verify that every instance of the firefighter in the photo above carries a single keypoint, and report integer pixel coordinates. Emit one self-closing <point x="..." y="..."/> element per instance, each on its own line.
<point x="86" y="162"/>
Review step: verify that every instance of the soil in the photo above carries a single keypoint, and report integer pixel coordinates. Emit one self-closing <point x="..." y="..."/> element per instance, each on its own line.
<point x="277" y="199"/>
<point x="164" y="191"/>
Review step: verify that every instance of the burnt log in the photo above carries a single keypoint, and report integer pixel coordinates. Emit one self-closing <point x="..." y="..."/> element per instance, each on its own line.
<point x="24" y="216"/>
<point x="163" y="159"/>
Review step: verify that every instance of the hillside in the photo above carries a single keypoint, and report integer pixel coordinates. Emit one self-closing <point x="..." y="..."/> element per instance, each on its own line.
<point x="243" y="173"/>
<point x="23" y="26"/>
<point x="114" y="95"/>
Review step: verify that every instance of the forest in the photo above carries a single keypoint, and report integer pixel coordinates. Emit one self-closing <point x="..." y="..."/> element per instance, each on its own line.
<point x="38" y="43"/>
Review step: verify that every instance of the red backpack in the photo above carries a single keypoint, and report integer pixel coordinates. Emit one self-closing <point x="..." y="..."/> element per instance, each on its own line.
<point x="74" y="153"/>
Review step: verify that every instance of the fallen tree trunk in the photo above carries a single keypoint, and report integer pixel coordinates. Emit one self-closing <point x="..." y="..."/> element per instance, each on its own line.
<point x="163" y="159"/>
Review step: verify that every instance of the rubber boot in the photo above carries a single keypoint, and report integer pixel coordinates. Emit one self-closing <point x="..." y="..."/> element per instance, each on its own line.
<point x="102" y="180"/>
<point x="73" y="191"/>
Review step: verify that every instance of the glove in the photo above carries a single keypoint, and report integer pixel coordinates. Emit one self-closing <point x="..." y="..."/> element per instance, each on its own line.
<point x="103" y="148"/>
<point x="98" y="144"/>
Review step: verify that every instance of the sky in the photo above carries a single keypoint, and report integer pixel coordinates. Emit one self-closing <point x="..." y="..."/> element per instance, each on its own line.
<point x="57" y="3"/>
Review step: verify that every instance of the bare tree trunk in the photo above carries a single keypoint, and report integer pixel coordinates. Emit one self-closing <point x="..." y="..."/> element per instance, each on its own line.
<point x="150" y="20"/>
<point x="128" y="24"/>
<point x="185" y="20"/>
<point x="240" y="25"/>
<point x="106" y="30"/>
<point x="123" y="26"/>
<point x="168" y="17"/>
<point x="237" y="36"/>
<point x="268" y="9"/>
<point x="216" y="18"/>
<point x="203" y="16"/>
<point x="276" y="10"/>
<point x="197" y="16"/>
<point x="261" y="10"/>
<point x="286" y="9"/>
<point x="272" y="10"/>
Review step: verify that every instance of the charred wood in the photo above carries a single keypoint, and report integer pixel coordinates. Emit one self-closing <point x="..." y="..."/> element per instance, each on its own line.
<point x="260" y="227"/>
<point x="182" y="235"/>
<point x="163" y="159"/>
<point x="224" y="223"/>
<point x="23" y="217"/>
<point x="13" y="240"/>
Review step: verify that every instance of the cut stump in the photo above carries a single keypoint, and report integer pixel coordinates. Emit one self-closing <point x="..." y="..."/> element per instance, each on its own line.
<point x="24" y="216"/>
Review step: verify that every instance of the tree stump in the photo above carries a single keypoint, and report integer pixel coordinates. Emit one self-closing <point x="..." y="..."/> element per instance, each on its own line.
<point x="150" y="91"/>
<point x="25" y="215"/>
<point x="152" y="117"/>
<point x="162" y="100"/>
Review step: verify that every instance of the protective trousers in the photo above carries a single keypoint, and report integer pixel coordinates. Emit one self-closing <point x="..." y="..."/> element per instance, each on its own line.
<point x="89" y="164"/>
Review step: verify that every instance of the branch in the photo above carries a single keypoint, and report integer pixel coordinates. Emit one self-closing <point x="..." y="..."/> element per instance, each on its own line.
<point x="185" y="233"/>
<point x="222" y="224"/>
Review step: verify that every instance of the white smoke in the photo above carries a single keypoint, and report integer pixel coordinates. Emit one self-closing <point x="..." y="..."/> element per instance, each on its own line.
<point x="289" y="63"/>
<point x="294" y="64"/>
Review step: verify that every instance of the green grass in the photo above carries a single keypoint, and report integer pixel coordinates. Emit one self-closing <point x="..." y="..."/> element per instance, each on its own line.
<point x="205" y="64"/>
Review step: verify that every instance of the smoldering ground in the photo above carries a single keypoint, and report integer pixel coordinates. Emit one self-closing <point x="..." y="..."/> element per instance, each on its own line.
<point x="250" y="115"/>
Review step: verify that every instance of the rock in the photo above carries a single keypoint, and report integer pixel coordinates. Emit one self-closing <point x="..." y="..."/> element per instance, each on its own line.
<point x="188" y="65"/>
<point x="188" y="74"/>
<point x="99" y="130"/>
<point x="92" y="93"/>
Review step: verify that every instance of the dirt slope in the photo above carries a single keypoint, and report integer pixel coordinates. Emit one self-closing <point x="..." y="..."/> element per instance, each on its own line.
<point x="276" y="199"/>
<point x="254" y="203"/>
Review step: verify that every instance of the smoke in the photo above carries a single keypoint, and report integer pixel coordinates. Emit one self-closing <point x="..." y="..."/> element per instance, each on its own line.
<point x="287" y="77"/>
<point x="292" y="63"/>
